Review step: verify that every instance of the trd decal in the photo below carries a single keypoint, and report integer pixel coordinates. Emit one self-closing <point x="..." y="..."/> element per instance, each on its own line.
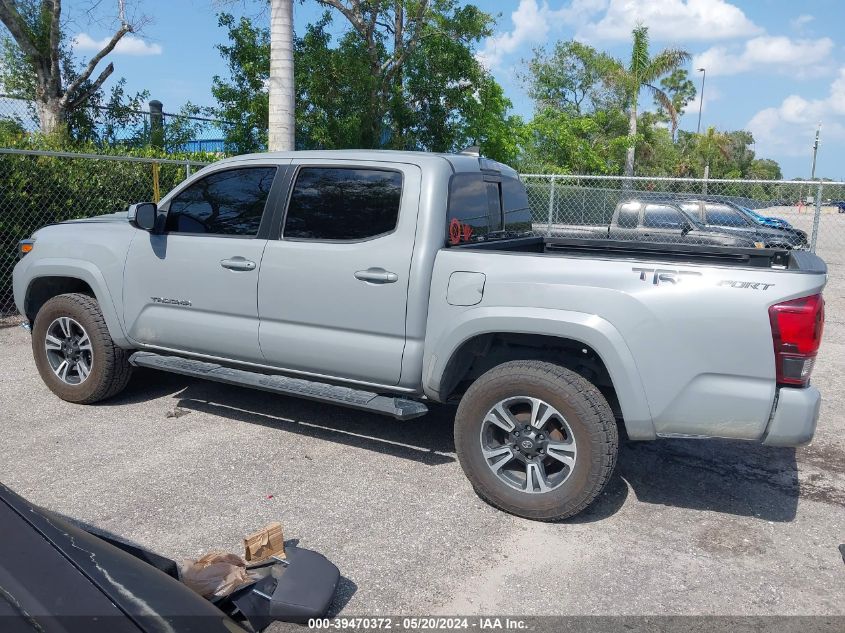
<point x="664" y="275"/>
<point x="171" y="302"/>
<point x="753" y="285"/>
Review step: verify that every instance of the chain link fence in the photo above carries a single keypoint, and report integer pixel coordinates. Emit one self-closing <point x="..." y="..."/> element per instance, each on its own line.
<point x="123" y="126"/>
<point x="40" y="187"/>
<point x="763" y="213"/>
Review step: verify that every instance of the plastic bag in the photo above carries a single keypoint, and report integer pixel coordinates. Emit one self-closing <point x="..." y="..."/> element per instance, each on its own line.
<point x="215" y="575"/>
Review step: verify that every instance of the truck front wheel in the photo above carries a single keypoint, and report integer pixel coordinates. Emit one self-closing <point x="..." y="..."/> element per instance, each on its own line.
<point x="536" y="440"/>
<point x="74" y="352"/>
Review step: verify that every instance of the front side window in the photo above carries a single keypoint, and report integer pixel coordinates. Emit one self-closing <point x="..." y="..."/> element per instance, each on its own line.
<point x="659" y="216"/>
<point x="229" y="202"/>
<point x="723" y="215"/>
<point x="343" y="203"/>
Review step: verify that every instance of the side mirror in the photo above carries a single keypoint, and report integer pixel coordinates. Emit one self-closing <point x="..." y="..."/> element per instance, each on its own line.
<point x="143" y="215"/>
<point x="686" y="227"/>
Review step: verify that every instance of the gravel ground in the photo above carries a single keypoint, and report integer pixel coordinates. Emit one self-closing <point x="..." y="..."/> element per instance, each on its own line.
<point x="685" y="527"/>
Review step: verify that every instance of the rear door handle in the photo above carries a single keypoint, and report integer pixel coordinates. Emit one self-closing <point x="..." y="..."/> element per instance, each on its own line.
<point x="377" y="276"/>
<point x="237" y="263"/>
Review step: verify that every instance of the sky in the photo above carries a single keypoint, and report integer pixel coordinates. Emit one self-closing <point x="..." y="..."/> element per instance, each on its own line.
<point x="774" y="67"/>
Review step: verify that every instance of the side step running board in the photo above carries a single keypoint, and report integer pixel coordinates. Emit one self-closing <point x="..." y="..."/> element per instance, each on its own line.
<point x="399" y="408"/>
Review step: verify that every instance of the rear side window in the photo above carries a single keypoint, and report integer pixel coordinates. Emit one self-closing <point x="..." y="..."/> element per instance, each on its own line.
<point x="517" y="212"/>
<point x="628" y="216"/>
<point x="227" y="202"/>
<point x="478" y="207"/>
<point x="494" y="205"/>
<point x="722" y="215"/>
<point x="469" y="208"/>
<point x="659" y="216"/>
<point x="343" y="203"/>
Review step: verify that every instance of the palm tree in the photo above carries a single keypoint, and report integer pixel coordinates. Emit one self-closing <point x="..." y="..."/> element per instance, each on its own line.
<point x="282" y="96"/>
<point x="644" y="72"/>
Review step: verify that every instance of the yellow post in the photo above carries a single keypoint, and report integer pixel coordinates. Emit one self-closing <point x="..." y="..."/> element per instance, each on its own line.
<point x="156" y="192"/>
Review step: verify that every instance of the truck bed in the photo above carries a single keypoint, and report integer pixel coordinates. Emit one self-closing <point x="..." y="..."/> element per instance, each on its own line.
<point x="659" y="251"/>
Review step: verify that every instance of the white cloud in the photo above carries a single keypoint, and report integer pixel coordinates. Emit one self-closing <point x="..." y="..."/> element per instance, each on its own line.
<point x="802" y="57"/>
<point x="673" y="20"/>
<point x="802" y="21"/>
<point x="529" y="26"/>
<point x="789" y="128"/>
<point x="128" y="45"/>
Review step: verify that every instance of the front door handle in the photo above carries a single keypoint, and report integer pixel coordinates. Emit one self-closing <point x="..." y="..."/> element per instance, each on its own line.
<point x="377" y="276"/>
<point x="237" y="263"/>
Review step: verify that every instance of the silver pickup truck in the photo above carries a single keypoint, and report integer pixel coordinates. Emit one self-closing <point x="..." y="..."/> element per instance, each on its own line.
<point x="386" y="281"/>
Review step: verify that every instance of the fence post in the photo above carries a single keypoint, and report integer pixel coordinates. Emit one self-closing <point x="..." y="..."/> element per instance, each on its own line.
<point x="156" y="189"/>
<point x="551" y="203"/>
<point x="187" y="169"/>
<point x="706" y="176"/>
<point x="156" y="123"/>
<point x="816" y="218"/>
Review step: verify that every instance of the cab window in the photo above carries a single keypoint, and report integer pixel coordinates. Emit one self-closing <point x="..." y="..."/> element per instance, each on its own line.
<point x="228" y="202"/>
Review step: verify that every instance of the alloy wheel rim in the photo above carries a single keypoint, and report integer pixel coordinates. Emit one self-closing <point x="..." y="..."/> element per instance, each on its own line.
<point x="528" y="444"/>
<point x="69" y="350"/>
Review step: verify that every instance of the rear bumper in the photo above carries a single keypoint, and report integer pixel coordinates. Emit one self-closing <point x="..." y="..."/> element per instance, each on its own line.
<point x="794" y="419"/>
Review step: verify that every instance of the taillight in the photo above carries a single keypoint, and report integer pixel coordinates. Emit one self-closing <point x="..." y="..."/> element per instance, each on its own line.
<point x="797" y="332"/>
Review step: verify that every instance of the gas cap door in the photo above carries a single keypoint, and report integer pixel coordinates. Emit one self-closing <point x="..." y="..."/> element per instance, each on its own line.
<point x="465" y="288"/>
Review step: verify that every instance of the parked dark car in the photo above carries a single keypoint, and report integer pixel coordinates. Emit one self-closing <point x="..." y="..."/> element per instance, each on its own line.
<point x="728" y="217"/>
<point x="840" y="205"/>
<point x="660" y="221"/>
<point x="56" y="576"/>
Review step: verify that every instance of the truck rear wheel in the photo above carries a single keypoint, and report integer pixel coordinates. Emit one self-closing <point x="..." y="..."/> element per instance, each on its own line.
<point x="536" y="440"/>
<point x="74" y="352"/>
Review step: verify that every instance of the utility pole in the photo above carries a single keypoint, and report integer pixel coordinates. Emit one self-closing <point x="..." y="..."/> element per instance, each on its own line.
<point x="815" y="152"/>
<point x="701" y="99"/>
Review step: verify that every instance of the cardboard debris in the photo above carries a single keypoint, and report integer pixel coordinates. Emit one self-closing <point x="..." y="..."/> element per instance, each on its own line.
<point x="267" y="542"/>
<point x="215" y="575"/>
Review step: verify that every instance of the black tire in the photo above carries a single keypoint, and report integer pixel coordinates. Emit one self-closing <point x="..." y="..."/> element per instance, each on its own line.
<point x="585" y="410"/>
<point x="110" y="369"/>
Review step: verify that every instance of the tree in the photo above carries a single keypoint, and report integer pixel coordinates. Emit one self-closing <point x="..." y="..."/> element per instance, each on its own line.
<point x="282" y="95"/>
<point x="57" y="88"/>
<point x="390" y="34"/>
<point x="442" y="100"/>
<point x="764" y="169"/>
<point x="570" y="79"/>
<point x="242" y="98"/>
<point x="641" y="73"/>
<point x="681" y="91"/>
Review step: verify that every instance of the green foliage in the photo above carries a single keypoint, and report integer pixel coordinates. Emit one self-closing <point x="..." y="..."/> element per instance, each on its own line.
<point x="439" y="98"/>
<point x="332" y="89"/>
<point x="571" y="79"/>
<point x="680" y="89"/>
<point x="559" y="142"/>
<point x="242" y="98"/>
<point x="39" y="190"/>
<point x="584" y="99"/>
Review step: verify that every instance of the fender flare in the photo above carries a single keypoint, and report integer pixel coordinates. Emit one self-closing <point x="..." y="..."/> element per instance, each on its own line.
<point x="91" y="275"/>
<point x="590" y="329"/>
